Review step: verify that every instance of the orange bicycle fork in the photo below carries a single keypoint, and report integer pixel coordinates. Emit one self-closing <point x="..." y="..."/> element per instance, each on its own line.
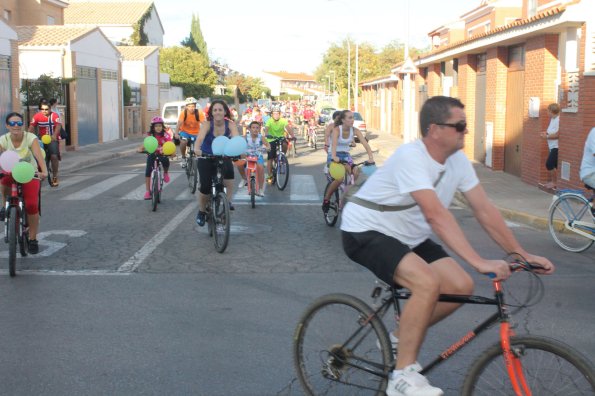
<point x="512" y="362"/>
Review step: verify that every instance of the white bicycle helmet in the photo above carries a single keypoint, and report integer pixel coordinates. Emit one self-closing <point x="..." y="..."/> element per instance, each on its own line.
<point x="191" y="100"/>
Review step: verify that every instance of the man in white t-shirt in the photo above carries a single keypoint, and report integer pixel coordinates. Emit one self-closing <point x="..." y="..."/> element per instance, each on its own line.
<point x="388" y="223"/>
<point x="587" y="172"/>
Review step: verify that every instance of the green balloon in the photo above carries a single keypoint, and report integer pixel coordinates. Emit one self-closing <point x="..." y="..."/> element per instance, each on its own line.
<point x="150" y="144"/>
<point x="23" y="172"/>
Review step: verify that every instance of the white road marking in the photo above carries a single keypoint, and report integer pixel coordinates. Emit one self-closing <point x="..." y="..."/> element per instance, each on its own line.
<point x="133" y="262"/>
<point x="101" y="187"/>
<point x="303" y="188"/>
<point x="69" y="181"/>
<point x="186" y="195"/>
<point x="66" y="272"/>
<point x="139" y="192"/>
<point x="51" y="246"/>
<point x="241" y="194"/>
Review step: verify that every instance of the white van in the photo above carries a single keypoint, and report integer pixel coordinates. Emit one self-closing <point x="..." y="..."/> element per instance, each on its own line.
<point x="171" y="113"/>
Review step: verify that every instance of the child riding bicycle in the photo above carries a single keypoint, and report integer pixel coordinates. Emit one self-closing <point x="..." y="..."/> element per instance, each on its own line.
<point x="256" y="146"/>
<point x="157" y="131"/>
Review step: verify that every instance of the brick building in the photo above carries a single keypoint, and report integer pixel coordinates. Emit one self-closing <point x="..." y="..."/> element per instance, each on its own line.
<point x="506" y="60"/>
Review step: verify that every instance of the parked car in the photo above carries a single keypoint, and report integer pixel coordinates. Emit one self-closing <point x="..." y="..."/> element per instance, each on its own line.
<point x="325" y="115"/>
<point x="171" y="112"/>
<point x="360" y="124"/>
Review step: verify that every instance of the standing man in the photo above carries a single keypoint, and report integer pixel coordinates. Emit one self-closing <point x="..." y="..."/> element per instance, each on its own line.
<point x="188" y="126"/>
<point x="394" y="242"/>
<point x="587" y="171"/>
<point x="48" y="123"/>
<point x="276" y="127"/>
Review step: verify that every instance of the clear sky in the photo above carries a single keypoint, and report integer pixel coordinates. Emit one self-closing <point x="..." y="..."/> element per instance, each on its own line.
<point x="273" y="35"/>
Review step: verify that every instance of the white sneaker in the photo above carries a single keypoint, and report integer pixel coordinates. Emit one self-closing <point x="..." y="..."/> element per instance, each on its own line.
<point x="394" y="342"/>
<point x="409" y="382"/>
<point x="242" y="184"/>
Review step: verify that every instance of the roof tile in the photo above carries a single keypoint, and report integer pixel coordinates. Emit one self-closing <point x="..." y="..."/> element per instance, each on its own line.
<point x="105" y="13"/>
<point x="293" y="76"/>
<point x="51" y="35"/>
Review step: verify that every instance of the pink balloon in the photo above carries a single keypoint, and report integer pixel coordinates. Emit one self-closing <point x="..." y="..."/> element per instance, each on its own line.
<point x="8" y="160"/>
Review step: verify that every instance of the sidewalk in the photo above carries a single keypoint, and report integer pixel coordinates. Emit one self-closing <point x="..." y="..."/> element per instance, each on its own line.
<point x="96" y="153"/>
<point x="516" y="200"/>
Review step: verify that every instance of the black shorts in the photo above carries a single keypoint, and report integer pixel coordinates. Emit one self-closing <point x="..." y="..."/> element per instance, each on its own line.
<point x="552" y="160"/>
<point x="381" y="253"/>
<point x="273" y="151"/>
<point x="53" y="148"/>
<point x="206" y="171"/>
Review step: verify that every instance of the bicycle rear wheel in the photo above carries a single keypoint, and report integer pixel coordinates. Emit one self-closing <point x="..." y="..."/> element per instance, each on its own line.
<point x="550" y="367"/>
<point x="192" y="174"/>
<point x="221" y="221"/>
<point x="252" y="192"/>
<point x="282" y="176"/>
<point x="331" y="216"/>
<point x="154" y="190"/>
<point x="336" y="348"/>
<point x="567" y="213"/>
<point x="48" y="165"/>
<point x="13" y="231"/>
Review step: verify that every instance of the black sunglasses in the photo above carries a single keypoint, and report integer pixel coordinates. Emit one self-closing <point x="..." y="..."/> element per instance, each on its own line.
<point x="15" y="123"/>
<point x="460" y="126"/>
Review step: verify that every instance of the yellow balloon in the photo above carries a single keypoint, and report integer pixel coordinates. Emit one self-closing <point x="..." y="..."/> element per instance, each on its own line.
<point x="336" y="170"/>
<point x="46" y="139"/>
<point x="169" y="148"/>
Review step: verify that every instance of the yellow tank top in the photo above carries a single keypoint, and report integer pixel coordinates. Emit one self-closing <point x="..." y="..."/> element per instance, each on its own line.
<point x="24" y="150"/>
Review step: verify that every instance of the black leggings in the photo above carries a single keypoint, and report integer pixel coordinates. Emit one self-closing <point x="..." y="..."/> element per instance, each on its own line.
<point x="207" y="169"/>
<point x="151" y="159"/>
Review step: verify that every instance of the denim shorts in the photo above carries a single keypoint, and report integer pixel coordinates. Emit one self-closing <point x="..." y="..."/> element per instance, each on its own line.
<point x="187" y="136"/>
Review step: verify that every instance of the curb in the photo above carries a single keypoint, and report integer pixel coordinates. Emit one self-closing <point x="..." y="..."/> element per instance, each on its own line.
<point x="509" y="214"/>
<point x="94" y="159"/>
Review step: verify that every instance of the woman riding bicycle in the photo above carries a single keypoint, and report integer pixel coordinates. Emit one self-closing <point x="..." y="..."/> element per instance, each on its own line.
<point x="341" y="139"/>
<point x="26" y="145"/>
<point x="157" y="131"/>
<point x="219" y="124"/>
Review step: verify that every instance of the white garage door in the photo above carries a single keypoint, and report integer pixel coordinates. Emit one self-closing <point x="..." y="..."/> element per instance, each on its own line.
<point x="109" y="105"/>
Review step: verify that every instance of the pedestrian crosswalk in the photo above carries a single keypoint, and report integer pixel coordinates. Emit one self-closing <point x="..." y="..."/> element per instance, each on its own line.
<point x="131" y="187"/>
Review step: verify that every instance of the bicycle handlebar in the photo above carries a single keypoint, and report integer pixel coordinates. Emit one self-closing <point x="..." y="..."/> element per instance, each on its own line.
<point x="517" y="263"/>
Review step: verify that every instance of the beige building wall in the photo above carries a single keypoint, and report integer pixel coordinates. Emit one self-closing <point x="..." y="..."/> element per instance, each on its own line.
<point x="32" y="12"/>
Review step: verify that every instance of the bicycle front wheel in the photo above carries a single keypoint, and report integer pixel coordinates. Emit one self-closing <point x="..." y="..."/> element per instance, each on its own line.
<point x="154" y="190"/>
<point x="550" y="367"/>
<point x="221" y="221"/>
<point x="339" y="350"/>
<point x="282" y="172"/>
<point x="24" y="237"/>
<point x="13" y="231"/>
<point x="332" y="214"/>
<point x="569" y="216"/>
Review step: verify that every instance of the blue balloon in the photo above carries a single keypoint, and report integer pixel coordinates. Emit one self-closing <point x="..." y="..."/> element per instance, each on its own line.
<point x="236" y="146"/>
<point x="368" y="170"/>
<point x="219" y="144"/>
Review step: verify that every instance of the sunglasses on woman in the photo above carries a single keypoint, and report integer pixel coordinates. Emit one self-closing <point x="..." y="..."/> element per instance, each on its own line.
<point x="15" y="123"/>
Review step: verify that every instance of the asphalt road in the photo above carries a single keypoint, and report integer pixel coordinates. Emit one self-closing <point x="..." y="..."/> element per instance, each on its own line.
<point x="124" y="301"/>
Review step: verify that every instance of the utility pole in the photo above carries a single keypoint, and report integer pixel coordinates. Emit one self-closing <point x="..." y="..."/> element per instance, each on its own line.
<point x="348" y="75"/>
<point x="355" y="91"/>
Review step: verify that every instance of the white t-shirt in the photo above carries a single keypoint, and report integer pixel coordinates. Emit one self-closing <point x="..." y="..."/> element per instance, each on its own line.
<point x="409" y="169"/>
<point x="588" y="162"/>
<point x="552" y="128"/>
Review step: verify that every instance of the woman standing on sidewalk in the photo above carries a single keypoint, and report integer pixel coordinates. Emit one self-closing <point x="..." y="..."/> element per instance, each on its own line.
<point x="552" y="134"/>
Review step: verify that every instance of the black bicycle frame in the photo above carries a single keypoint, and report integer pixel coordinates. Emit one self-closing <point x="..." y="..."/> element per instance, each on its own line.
<point x="397" y="294"/>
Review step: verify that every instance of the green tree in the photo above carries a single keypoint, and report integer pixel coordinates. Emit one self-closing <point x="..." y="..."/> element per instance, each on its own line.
<point x="250" y="87"/>
<point x="372" y="63"/>
<point x="195" y="41"/>
<point x="189" y="70"/>
<point x="44" y="87"/>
